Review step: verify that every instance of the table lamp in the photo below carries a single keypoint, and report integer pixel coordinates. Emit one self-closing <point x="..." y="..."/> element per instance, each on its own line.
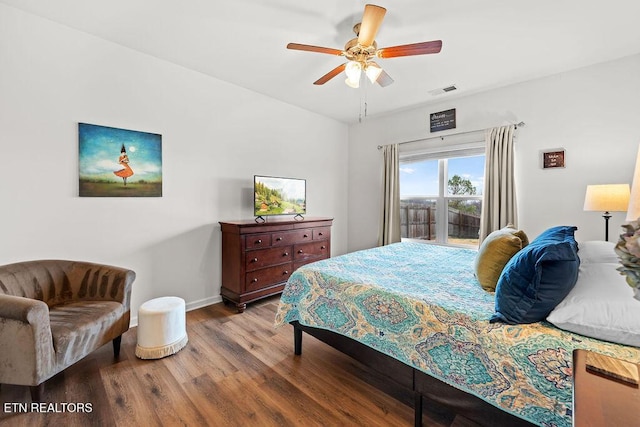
<point x="633" y="211"/>
<point x="607" y="198"/>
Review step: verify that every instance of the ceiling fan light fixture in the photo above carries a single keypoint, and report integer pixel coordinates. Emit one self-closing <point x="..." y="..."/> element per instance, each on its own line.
<point x="373" y="71"/>
<point x="353" y="71"/>
<point x="351" y="83"/>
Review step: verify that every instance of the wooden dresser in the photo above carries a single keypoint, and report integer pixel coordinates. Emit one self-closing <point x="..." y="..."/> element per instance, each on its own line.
<point x="258" y="258"/>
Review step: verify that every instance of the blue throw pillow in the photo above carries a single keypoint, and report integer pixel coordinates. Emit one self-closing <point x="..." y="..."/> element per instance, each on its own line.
<point x="538" y="277"/>
<point x="559" y="233"/>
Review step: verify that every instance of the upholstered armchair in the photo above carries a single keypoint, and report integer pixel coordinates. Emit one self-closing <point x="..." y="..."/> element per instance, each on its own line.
<point x="53" y="313"/>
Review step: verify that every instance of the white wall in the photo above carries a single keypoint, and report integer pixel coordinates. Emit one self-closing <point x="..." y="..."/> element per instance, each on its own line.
<point x="215" y="136"/>
<point x="593" y="113"/>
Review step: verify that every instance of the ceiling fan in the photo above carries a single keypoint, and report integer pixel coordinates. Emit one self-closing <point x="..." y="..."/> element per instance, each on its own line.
<point x="361" y="51"/>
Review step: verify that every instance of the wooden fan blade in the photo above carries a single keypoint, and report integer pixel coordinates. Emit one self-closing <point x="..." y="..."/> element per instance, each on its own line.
<point x="371" y="20"/>
<point x="331" y="74"/>
<point x="319" y="49"/>
<point x="384" y="79"/>
<point x="410" y="49"/>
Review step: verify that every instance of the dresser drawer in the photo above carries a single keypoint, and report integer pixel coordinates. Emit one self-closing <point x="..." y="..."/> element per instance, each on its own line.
<point x="258" y="279"/>
<point x="267" y="257"/>
<point x="291" y="237"/>
<point x="256" y="241"/>
<point x="321" y="233"/>
<point x="315" y="250"/>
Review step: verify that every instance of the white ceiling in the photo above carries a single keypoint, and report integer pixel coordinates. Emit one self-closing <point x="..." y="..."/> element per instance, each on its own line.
<point x="486" y="43"/>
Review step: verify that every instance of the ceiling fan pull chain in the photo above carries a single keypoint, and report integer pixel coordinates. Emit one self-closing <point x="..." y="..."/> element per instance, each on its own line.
<point x="360" y="102"/>
<point x="365" y="96"/>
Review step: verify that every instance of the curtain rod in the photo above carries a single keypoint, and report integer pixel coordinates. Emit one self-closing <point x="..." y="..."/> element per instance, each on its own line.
<point x="442" y="137"/>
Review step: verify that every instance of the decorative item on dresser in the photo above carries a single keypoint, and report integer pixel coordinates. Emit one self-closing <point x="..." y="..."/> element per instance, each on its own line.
<point x="258" y="258"/>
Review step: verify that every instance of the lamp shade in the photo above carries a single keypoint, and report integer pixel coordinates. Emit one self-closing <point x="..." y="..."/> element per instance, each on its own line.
<point x="607" y="198"/>
<point x="353" y="71"/>
<point x="354" y="84"/>
<point x="633" y="211"/>
<point x="373" y="71"/>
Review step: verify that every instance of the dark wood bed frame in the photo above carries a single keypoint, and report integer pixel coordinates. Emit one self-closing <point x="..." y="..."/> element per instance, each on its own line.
<point x="402" y="381"/>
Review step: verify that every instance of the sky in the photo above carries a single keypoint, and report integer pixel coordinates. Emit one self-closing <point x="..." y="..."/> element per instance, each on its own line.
<point x="99" y="149"/>
<point x="421" y="178"/>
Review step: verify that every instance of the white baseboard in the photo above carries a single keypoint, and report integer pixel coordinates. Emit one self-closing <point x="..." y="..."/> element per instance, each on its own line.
<point x="193" y="305"/>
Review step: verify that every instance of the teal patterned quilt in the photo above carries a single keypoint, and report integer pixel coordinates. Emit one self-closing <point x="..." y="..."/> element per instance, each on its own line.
<point x="422" y="305"/>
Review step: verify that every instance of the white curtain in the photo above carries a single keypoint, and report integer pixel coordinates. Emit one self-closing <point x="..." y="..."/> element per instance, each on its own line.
<point x="499" y="200"/>
<point x="390" y="215"/>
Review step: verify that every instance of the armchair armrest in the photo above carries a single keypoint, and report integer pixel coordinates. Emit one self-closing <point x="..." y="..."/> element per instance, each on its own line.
<point x="24" y="310"/>
<point x="26" y="341"/>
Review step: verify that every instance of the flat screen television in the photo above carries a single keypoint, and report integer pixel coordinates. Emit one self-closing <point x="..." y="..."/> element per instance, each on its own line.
<point x="279" y="196"/>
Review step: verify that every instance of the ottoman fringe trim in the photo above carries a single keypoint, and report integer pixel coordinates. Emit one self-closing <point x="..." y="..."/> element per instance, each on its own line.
<point x="162" y="351"/>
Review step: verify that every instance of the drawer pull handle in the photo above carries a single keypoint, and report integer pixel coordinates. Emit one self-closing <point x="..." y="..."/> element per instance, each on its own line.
<point x="278" y="239"/>
<point x="320" y="234"/>
<point x="323" y="247"/>
<point x="259" y="241"/>
<point x="285" y="254"/>
<point x="255" y="279"/>
<point x="306" y="235"/>
<point x="300" y="251"/>
<point x="254" y="260"/>
<point x="285" y="272"/>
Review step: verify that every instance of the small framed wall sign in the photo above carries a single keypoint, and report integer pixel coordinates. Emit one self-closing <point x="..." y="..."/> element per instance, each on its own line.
<point x="442" y="120"/>
<point x="553" y="158"/>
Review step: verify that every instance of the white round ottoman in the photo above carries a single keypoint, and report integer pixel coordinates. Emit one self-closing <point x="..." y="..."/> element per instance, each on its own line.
<point x="161" y="328"/>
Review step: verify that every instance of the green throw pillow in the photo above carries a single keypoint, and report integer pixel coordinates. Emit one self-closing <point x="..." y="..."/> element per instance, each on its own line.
<point x="494" y="253"/>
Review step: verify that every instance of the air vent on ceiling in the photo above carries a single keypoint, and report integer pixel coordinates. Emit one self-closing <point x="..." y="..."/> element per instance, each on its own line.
<point x="442" y="90"/>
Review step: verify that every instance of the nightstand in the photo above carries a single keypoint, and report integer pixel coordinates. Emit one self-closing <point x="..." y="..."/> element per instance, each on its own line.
<point x="599" y="399"/>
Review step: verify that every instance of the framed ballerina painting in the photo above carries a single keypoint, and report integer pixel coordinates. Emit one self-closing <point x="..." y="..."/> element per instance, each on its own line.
<point x="117" y="162"/>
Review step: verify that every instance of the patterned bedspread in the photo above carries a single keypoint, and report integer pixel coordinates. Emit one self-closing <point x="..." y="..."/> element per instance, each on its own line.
<point x="422" y="305"/>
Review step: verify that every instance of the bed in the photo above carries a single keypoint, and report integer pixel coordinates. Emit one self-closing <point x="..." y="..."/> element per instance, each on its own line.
<point x="416" y="312"/>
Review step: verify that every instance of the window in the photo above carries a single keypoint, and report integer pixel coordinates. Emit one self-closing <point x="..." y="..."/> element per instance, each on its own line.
<point x="441" y="196"/>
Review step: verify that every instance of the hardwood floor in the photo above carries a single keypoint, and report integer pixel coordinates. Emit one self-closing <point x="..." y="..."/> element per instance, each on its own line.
<point x="237" y="370"/>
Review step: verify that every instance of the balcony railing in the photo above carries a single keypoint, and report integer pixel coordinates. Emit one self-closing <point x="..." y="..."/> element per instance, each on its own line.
<point x="418" y="221"/>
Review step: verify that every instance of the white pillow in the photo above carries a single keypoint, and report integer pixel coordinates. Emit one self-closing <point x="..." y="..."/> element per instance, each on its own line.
<point x="600" y="305"/>
<point x="597" y="251"/>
